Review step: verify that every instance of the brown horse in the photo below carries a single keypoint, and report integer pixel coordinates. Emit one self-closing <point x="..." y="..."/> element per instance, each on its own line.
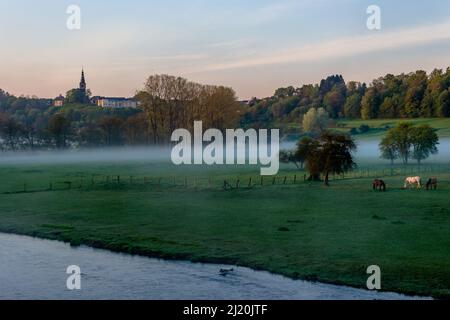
<point x="432" y="184"/>
<point x="379" y="185"/>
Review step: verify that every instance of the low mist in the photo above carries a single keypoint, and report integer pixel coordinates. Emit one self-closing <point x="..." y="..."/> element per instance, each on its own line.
<point x="367" y="150"/>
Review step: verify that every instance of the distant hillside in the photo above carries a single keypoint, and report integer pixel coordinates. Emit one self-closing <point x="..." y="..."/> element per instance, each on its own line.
<point x="406" y="96"/>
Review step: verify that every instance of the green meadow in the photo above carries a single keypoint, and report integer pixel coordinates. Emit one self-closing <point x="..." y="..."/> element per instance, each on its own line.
<point x="287" y="226"/>
<point x="379" y="127"/>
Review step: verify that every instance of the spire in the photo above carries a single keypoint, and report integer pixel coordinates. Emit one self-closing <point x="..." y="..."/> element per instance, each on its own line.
<point x="83" y="81"/>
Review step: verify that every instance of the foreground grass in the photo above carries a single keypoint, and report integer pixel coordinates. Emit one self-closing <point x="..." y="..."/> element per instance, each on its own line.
<point x="302" y="231"/>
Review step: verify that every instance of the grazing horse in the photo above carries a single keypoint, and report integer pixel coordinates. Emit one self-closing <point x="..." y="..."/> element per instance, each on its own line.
<point x="379" y="185"/>
<point x="432" y="184"/>
<point x="412" y="181"/>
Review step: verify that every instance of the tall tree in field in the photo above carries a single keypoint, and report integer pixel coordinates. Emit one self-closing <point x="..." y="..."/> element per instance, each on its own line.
<point x="424" y="142"/>
<point x="335" y="154"/>
<point x="400" y="136"/>
<point x="331" y="153"/>
<point x="388" y="149"/>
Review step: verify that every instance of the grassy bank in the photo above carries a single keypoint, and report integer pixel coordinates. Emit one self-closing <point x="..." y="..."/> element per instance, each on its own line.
<point x="301" y="230"/>
<point x="379" y="127"/>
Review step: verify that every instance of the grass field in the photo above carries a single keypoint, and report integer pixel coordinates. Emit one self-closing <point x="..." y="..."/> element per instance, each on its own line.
<point x="380" y="127"/>
<point x="302" y="230"/>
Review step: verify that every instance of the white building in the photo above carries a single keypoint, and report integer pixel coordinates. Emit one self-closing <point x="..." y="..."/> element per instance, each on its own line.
<point x="116" y="103"/>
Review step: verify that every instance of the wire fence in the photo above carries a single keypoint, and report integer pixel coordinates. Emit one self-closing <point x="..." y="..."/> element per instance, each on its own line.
<point x="111" y="182"/>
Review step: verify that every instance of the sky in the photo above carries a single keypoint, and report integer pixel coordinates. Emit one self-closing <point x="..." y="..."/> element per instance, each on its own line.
<point x="253" y="46"/>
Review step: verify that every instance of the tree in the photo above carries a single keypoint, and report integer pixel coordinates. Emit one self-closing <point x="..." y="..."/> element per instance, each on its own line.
<point x="288" y="156"/>
<point x="400" y="136"/>
<point x="10" y="130"/>
<point x="334" y="101"/>
<point x="424" y="142"/>
<point x="352" y="107"/>
<point x="112" y="129"/>
<point x="331" y="153"/>
<point x="417" y="85"/>
<point x="300" y="154"/>
<point x="369" y="104"/>
<point x="173" y="102"/>
<point x="59" y="127"/>
<point x="316" y="120"/>
<point x="388" y="149"/>
<point x="405" y="140"/>
<point x="76" y="96"/>
<point x="443" y="105"/>
<point x="335" y="154"/>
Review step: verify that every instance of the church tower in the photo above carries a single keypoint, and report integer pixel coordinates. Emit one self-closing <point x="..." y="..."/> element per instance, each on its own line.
<point x="82" y="82"/>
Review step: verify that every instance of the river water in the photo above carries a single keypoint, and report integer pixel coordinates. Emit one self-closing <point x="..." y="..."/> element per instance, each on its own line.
<point x="32" y="268"/>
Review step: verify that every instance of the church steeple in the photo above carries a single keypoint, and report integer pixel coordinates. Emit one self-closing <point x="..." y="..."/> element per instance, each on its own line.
<point x="83" y="81"/>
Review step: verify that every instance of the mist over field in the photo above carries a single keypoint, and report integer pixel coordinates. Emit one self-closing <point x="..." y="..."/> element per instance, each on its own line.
<point x="119" y="154"/>
<point x="367" y="150"/>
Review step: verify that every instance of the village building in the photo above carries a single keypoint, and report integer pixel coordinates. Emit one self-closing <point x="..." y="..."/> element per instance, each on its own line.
<point x="115" y="103"/>
<point x="58" y="101"/>
<point x="104" y="102"/>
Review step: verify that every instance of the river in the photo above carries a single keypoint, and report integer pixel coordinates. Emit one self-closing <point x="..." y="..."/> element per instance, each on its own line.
<point x="35" y="269"/>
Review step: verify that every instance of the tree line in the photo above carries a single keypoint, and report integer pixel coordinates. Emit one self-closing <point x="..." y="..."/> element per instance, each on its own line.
<point x="166" y="103"/>
<point x="406" y="141"/>
<point x="413" y="95"/>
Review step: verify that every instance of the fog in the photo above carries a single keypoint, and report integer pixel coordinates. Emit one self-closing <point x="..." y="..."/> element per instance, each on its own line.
<point x="120" y="154"/>
<point x="367" y="150"/>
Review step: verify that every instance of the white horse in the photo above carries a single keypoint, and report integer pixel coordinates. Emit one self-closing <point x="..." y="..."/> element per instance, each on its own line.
<point x="412" y="181"/>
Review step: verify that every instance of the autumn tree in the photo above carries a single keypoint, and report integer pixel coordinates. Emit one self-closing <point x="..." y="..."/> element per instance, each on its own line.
<point x="172" y="102"/>
<point x="316" y="120"/>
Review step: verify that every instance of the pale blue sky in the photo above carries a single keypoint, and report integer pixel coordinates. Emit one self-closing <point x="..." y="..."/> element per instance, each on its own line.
<point x="254" y="46"/>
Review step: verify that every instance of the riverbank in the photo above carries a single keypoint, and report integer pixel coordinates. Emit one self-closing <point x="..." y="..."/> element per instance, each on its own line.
<point x="35" y="269"/>
<point x="302" y="231"/>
